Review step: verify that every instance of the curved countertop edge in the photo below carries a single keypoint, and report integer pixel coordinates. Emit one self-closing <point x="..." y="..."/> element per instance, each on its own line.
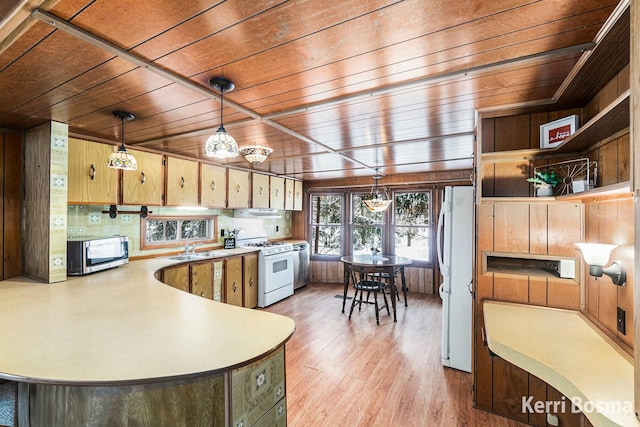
<point x="564" y="349"/>
<point x="148" y="332"/>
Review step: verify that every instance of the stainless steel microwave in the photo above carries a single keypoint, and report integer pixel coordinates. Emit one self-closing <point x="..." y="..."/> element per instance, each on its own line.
<point x="88" y="255"/>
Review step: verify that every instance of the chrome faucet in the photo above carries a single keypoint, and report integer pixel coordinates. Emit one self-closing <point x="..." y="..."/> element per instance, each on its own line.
<point x="195" y="245"/>
<point x="188" y="248"/>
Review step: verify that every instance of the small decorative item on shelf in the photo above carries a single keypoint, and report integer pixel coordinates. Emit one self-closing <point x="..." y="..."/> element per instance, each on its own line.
<point x="544" y="181"/>
<point x="574" y="176"/>
<point x="553" y="133"/>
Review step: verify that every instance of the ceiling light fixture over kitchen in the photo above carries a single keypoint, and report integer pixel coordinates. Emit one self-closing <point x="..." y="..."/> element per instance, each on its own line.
<point x="221" y="145"/>
<point x="256" y="153"/>
<point x="375" y="202"/>
<point x="122" y="159"/>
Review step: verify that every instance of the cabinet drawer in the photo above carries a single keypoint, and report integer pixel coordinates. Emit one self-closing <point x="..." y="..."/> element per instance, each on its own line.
<point x="275" y="417"/>
<point x="256" y="388"/>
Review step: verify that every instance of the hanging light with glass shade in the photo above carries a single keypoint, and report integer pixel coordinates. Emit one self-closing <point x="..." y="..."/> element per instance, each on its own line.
<point x="221" y="145"/>
<point x="121" y="158"/>
<point x="256" y="153"/>
<point x="375" y="201"/>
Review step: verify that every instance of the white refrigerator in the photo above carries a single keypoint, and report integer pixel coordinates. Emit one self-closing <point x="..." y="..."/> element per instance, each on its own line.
<point x="455" y="237"/>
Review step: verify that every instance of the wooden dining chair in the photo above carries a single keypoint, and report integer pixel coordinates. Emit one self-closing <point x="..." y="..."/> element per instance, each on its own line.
<point x="382" y="276"/>
<point x="362" y="283"/>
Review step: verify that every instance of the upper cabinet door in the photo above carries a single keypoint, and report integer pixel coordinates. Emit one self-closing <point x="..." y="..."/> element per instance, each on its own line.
<point x="182" y="182"/>
<point x="289" y="189"/>
<point x="260" y="191"/>
<point x="144" y="186"/>
<point x="297" y="196"/>
<point x="277" y="193"/>
<point x="213" y="186"/>
<point x="90" y="180"/>
<point x="238" y="189"/>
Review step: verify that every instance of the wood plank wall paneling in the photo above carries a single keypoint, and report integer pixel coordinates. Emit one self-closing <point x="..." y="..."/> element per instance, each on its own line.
<point x="37" y="207"/>
<point x="611" y="221"/>
<point x="527" y="228"/>
<point x="3" y="139"/>
<point x="12" y="206"/>
<point x="420" y="280"/>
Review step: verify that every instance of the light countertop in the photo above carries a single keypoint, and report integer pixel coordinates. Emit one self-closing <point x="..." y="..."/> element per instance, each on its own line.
<point x="124" y="326"/>
<point x="565" y="350"/>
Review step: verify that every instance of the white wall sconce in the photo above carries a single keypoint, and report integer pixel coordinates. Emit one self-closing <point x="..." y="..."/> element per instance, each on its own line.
<point x="597" y="255"/>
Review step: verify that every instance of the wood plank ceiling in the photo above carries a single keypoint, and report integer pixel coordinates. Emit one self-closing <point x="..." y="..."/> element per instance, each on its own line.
<point x="335" y="88"/>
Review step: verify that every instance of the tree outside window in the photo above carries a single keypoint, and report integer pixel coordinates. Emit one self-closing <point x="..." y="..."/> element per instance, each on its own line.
<point x="326" y="224"/>
<point x="412" y="228"/>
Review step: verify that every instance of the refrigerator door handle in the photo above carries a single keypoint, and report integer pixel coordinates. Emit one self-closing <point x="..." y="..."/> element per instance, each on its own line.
<point x="439" y="242"/>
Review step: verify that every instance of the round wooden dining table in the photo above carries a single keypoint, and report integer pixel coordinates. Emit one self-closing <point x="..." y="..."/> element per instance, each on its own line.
<point x="380" y="263"/>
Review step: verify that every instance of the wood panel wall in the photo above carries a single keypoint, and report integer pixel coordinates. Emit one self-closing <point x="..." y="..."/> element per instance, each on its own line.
<point x="419" y="280"/>
<point x="535" y="228"/>
<point x="11" y="208"/>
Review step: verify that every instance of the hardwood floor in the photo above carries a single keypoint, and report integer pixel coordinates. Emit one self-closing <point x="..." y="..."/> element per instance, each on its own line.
<point x="344" y="372"/>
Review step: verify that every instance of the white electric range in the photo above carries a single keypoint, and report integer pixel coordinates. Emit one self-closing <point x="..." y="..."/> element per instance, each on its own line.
<point x="275" y="265"/>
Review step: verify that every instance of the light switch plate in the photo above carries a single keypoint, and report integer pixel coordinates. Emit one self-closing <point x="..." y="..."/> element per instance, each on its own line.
<point x="567" y="268"/>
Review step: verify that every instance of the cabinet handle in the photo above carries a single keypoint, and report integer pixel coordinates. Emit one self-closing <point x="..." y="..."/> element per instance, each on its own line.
<point x="234" y="286"/>
<point x="261" y="190"/>
<point x="277" y="192"/>
<point x="298" y="195"/>
<point x="238" y="188"/>
<point x="213" y="186"/>
<point x="251" y="281"/>
<point x="182" y="182"/>
<point x="92" y="174"/>
<point x="202" y="293"/>
<point x="289" y="194"/>
<point x="142" y="178"/>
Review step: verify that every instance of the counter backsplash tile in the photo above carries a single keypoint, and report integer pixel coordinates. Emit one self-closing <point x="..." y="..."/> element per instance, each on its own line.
<point x="88" y="220"/>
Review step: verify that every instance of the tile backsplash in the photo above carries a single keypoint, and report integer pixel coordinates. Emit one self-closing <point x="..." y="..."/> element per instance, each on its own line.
<point x="89" y="221"/>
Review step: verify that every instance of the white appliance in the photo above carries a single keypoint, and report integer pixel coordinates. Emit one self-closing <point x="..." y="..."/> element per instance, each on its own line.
<point x="455" y="256"/>
<point x="275" y="266"/>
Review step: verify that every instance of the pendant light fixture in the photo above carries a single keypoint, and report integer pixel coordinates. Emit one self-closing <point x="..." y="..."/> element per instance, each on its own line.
<point x="122" y="159"/>
<point x="256" y="153"/>
<point x="221" y="145"/>
<point x="375" y="202"/>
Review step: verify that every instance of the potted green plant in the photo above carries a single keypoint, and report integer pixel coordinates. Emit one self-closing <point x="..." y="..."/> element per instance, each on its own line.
<point x="544" y="181"/>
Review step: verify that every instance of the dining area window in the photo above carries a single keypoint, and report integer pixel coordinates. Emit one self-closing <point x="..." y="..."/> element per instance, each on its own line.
<point x="340" y="224"/>
<point x="326" y="222"/>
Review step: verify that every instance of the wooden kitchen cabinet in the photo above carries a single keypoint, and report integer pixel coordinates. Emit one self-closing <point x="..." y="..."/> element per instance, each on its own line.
<point x="182" y="182"/>
<point x="213" y="186"/>
<point x="233" y="281"/>
<point x="289" y="194"/>
<point x="276" y="195"/>
<point x="297" y="196"/>
<point x="237" y="189"/>
<point x="250" y="280"/>
<point x="201" y="278"/>
<point x="260" y="191"/>
<point x="177" y="277"/>
<point x="144" y="186"/>
<point x="90" y="180"/>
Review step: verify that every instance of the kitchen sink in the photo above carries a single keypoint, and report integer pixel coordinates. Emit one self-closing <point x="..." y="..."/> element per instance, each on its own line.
<point x="200" y="255"/>
<point x="212" y="254"/>
<point x="186" y="257"/>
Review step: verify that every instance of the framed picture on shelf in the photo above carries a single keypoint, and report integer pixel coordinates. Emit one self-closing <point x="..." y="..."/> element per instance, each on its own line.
<point x="553" y="133"/>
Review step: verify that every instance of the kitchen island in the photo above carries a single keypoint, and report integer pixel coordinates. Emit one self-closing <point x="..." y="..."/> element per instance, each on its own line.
<point x="121" y="348"/>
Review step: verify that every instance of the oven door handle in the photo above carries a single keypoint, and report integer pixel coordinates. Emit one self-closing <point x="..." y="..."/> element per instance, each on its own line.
<point x="279" y="256"/>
